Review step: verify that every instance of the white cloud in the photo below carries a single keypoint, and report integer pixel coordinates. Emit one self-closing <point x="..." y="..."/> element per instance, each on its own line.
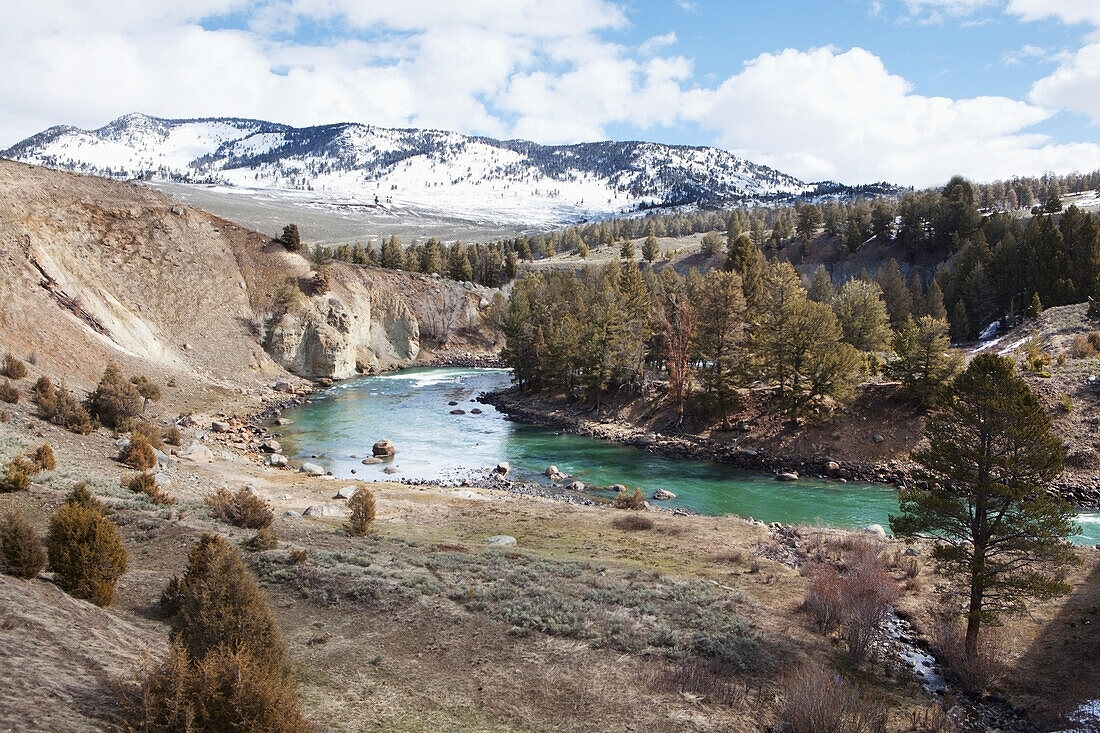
<point x="1067" y="11"/>
<point x="841" y="115"/>
<point x="935" y="11"/>
<point x="546" y="71"/>
<point x="657" y="42"/>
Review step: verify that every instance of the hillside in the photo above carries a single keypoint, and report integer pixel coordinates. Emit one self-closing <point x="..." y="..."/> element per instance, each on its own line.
<point x="448" y="174"/>
<point x="97" y="270"/>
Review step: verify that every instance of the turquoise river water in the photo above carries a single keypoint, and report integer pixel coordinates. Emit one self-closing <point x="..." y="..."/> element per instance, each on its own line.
<point x="411" y="408"/>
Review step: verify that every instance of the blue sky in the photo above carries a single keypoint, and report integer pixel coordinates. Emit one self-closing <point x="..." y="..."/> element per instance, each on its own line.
<point x="910" y="91"/>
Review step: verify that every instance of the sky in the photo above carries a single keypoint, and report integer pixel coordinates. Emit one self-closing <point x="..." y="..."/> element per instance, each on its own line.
<point x="857" y="91"/>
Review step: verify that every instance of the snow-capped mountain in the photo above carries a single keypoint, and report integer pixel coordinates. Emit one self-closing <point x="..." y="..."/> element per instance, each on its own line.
<point x="508" y="181"/>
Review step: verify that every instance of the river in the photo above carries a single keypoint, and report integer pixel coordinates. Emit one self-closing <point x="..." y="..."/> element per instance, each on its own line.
<point x="337" y="428"/>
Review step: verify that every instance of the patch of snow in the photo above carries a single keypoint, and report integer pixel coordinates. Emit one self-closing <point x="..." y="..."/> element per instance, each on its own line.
<point x="1085" y="719"/>
<point x="990" y="331"/>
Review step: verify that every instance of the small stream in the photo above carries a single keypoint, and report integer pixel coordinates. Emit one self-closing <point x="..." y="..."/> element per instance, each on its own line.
<point x="337" y="428"/>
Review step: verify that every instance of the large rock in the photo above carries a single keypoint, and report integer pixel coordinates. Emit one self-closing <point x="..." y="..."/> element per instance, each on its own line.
<point x="383" y="448"/>
<point x="503" y="468"/>
<point x="323" y="510"/>
<point x="501" y="540"/>
<point x="875" y="530"/>
<point x="389" y="470"/>
<point x="312" y="469"/>
<point x="220" y="426"/>
<point x="663" y="495"/>
<point x="346" y="493"/>
<point x="371" y="461"/>
<point x="554" y="474"/>
<point x="271" y="446"/>
<point x="196" y="453"/>
<point x="575" y="486"/>
<point x="786" y="476"/>
<point x="277" y="460"/>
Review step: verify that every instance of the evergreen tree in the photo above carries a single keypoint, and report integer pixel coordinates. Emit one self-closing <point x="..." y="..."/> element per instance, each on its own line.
<point x="393" y="255"/>
<point x="744" y="258"/>
<point x="710" y="245"/>
<point x="809" y="219"/>
<point x="650" y="249"/>
<point x="990" y="457"/>
<point x="899" y="302"/>
<point x="797" y="345"/>
<point x="291" y="238"/>
<point x="862" y="315"/>
<point x="933" y="304"/>
<point x="821" y="286"/>
<point x="924" y="364"/>
<point x="960" y="322"/>
<point x="626" y="250"/>
<point x="718" y="347"/>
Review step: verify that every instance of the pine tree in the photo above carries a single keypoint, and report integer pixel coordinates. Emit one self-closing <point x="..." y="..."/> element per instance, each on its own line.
<point x="862" y="315"/>
<point x="990" y="457"/>
<point x="821" y="286"/>
<point x="291" y="238"/>
<point x="899" y="302"/>
<point x="923" y="363"/>
<point x="718" y="345"/>
<point x="960" y="322"/>
<point x="626" y="250"/>
<point x="650" y="249"/>
<point x="744" y="258"/>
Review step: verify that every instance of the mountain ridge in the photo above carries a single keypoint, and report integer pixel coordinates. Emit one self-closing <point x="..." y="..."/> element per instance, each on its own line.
<point x="499" y="180"/>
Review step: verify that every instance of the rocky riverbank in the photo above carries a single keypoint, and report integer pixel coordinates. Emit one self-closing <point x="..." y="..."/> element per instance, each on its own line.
<point x="534" y="409"/>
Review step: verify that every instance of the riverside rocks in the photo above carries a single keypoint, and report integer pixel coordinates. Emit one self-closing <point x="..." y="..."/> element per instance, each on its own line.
<point x="663" y="495"/>
<point x="786" y="476"/>
<point x="554" y="474"/>
<point x="383" y="448"/>
<point x="312" y="469"/>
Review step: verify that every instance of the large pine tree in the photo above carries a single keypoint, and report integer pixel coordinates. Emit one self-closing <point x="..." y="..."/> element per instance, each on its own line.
<point x="990" y="456"/>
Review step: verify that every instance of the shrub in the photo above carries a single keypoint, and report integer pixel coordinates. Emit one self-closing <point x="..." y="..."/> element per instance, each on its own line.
<point x="138" y="453"/>
<point x="21" y="552"/>
<point x="224" y="691"/>
<point x="263" y="540"/>
<point x="17" y="475"/>
<point x="977" y="673"/>
<point x="858" y="600"/>
<point x="85" y="553"/>
<point x="148" y="389"/>
<point x="627" y="500"/>
<point x="218" y="604"/>
<point x="818" y="701"/>
<point x="150" y="432"/>
<point x="5" y="416"/>
<point x="321" y="282"/>
<point x="242" y="509"/>
<point x="81" y="496"/>
<point x="115" y="402"/>
<point x="632" y="522"/>
<point x="60" y="408"/>
<point x="9" y="393"/>
<point x="361" y="504"/>
<point x="1066" y="402"/>
<point x="299" y="555"/>
<point x="44" y="458"/>
<point x="1083" y="347"/>
<point x="13" y="367"/>
<point x="172" y="436"/>
<point x="1035" y="359"/>
<point x="146" y="483"/>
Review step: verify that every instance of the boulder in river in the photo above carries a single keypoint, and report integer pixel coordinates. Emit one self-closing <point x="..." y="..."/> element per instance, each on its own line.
<point x="371" y="461"/>
<point x="554" y="474"/>
<point x="312" y="469"/>
<point x="575" y="486"/>
<point x="384" y="448"/>
<point x="786" y="476"/>
<point x="617" y="488"/>
<point x="389" y="470"/>
<point x="458" y="412"/>
<point x="663" y="495"/>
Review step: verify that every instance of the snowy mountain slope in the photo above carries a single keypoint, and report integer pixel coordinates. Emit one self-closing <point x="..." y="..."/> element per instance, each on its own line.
<point x="455" y="175"/>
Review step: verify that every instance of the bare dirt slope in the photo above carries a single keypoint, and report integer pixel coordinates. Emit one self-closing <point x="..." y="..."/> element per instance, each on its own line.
<point x="93" y="270"/>
<point x="67" y="652"/>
